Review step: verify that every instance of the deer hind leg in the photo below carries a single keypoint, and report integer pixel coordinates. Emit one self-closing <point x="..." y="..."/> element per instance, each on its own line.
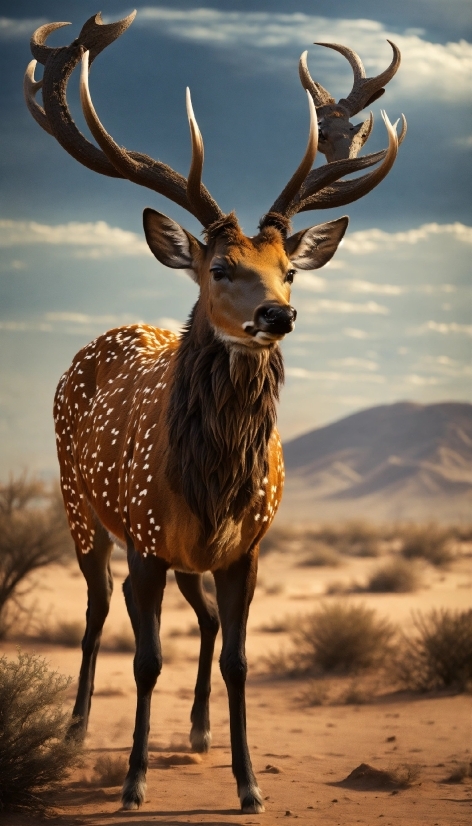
<point x="95" y="567"/>
<point x="234" y="591"/>
<point x="143" y="594"/>
<point x="207" y="615"/>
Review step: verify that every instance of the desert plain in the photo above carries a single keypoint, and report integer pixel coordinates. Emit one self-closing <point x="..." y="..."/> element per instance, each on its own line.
<point x="410" y="745"/>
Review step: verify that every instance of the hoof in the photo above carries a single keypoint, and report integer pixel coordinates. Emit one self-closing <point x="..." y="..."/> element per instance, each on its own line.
<point x="132" y="796"/>
<point x="200" y="741"/>
<point x="251" y="802"/>
<point x="130" y="805"/>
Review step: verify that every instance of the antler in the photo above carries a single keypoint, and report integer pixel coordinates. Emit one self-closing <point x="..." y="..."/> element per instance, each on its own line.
<point x="322" y="188"/>
<point x="110" y="159"/>
<point x="339" y="139"/>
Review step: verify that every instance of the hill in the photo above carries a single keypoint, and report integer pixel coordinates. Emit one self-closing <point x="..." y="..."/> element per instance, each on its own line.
<point x="401" y="461"/>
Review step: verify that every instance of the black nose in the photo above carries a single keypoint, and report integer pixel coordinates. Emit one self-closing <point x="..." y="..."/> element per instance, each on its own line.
<point x="274" y="318"/>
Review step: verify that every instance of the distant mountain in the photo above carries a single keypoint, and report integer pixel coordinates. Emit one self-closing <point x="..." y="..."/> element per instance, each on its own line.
<point x="394" y="462"/>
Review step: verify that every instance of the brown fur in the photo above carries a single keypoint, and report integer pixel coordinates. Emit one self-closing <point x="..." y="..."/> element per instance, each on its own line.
<point x="221" y="415"/>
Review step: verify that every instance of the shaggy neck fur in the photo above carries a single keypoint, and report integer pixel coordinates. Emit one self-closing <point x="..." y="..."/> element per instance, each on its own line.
<point x="221" y="415"/>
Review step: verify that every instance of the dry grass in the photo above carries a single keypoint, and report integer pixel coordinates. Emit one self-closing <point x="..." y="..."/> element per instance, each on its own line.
<point x="62" y="632"/>
<point x="35" y="757"/>
<point x="337" y="639"/>
<point x="320" y="554"/>
<point x="110" y="770"/>
<point x="439" y="654"/>
<point x="400" y="576"/>
<point x="428" y="542"/>
<point x="462" y="772"/>
<point x="122" y="641"/>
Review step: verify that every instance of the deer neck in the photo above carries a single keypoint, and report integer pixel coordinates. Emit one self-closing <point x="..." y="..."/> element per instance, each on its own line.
<point x="221" y="415"/>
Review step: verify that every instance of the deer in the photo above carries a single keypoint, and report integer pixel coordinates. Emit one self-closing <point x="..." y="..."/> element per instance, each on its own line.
<point x="168" y="443"/>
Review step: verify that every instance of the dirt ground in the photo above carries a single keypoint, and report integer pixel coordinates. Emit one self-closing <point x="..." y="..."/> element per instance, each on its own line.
<point x="302" y="756"/>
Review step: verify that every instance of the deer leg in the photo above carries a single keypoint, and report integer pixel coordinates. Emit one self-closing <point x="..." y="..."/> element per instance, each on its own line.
<point x="148" y="579"/>
<point x="95" y="567"/>
<point x="234" y="592"/>
<point x="207" y="615"/>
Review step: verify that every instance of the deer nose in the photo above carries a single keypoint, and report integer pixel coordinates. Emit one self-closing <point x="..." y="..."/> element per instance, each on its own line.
<point x="274" y="318"/>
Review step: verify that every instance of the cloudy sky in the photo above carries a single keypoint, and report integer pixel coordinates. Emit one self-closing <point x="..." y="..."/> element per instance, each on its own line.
<point x="387" y="320"/>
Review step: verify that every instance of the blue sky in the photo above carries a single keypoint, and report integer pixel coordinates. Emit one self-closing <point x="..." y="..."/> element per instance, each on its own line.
<point x="388" y="319"/>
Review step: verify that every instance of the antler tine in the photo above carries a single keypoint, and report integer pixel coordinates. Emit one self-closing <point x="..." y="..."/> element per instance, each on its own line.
<point x="365" y="89"/>
<point x="296" y="181"/>
<point x="321" y="97"/>
<point x="345" y="192"/>
<point x="30" y="87"/>
<point x="39" y="50"/>
<point x="141" y="169"/>
<point x="195" y="194"/>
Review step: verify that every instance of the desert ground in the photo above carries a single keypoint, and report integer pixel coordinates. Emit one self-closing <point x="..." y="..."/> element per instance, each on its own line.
<point x="303" y="755"/>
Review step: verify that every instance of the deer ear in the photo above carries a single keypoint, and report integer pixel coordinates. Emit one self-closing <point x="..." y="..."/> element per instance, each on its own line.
<point x="172" y="245"/>
<point x="312" y="248"/>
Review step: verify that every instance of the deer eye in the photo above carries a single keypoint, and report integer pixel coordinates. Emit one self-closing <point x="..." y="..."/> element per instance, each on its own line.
<point x="218" y="273"/>
<point x="290" y="276"/>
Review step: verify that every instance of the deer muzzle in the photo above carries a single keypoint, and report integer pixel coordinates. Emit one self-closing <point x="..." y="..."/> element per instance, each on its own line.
<point x="274" y="319"/>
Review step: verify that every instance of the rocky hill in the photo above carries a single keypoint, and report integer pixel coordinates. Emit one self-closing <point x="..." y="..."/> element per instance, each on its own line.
<point x="394" y="462"/>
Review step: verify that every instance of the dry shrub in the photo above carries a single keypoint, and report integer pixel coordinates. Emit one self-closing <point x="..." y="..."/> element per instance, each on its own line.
<point x="428" y="542"/>
<point x="122" y="641"/>
<point x="315" y="693"/>
<point x="462" y="772"/>
<point x="35" y="757"/>
<point x="278" y="626"/>
<point x="399" y="576"/>
<point x="439" y="654"/>
<point x="62" y="632"/>
<point x="337" y="638"/>
<point x="320" y="554"/>
<point x="356" y="537"/>
<point x="33" y="533"/>
<point x="110" y="770"/>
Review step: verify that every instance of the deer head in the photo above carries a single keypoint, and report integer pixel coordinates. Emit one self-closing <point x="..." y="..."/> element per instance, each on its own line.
<point x="244" y="281"/>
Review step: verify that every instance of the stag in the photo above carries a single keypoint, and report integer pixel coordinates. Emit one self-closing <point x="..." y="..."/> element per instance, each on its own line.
<point x="169" y="442"/>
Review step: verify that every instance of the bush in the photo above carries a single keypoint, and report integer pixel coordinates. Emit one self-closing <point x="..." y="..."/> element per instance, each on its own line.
<point x="63" y="632"/>
<point x="110" y="770"/>
<point x="439" y="655"/>
<point x="33" y="533"/>
<point x="34" y="755"/>
<point x="397" y="577"/>
<point x="338" y="638"/>
<point x="319" y="554"/>
<point x="428" y="542"/>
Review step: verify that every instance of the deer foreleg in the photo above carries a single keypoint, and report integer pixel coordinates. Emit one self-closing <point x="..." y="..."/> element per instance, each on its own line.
<point x="207" y="615"/>
<point x="148" y="579"/>
<point x="234" y="590"/>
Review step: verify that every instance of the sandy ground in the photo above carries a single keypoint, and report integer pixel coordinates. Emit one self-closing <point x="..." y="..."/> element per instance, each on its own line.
<point x="301" y="756"/>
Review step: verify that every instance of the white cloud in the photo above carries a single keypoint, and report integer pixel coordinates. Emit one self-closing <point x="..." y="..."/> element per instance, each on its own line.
<point x="434" y="70"/>
<point x="328" y="305"/>
<point x="332" y="376"/>
<point x="361" y="364"/>
<point x="465" y="142"/>
<point x="94" y="240"/>
<point x="15" y="29"/>
<point x="370" y="240"/>
<point x="446" y="328"/>
<point x="355" y="286"/>
<point x="309" y="282"/>
<point x="422" y="381"/>
<point x="83" y="323"/>
<point x="353" y="332"/>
